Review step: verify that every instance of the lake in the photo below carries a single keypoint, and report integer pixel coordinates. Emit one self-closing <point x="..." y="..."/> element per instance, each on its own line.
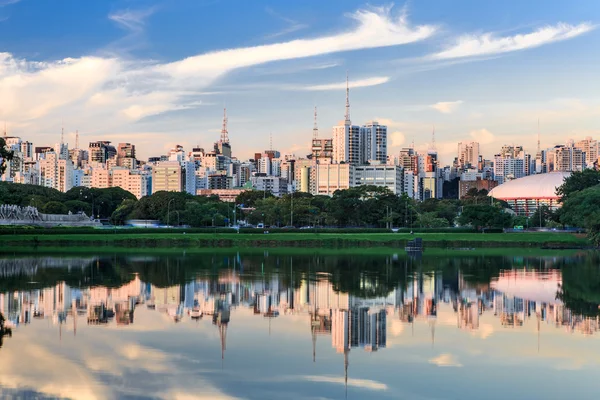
<point x="272" y="325"/>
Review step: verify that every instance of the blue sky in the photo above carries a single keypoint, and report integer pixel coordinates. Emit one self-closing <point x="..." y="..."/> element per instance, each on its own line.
<point x="159" y="73"/>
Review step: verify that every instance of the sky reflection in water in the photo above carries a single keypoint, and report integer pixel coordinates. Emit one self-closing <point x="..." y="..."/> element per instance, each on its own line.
<point x="300" y="327"/>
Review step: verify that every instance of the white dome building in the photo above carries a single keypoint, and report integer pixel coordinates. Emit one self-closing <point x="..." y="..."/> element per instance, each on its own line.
<point x="526" y="194"/>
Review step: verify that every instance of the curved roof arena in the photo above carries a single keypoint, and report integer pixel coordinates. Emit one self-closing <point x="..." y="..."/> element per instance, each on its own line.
<point x="540" y="186"/>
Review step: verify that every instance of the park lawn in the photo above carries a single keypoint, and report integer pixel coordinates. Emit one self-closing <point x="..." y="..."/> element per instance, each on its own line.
<point x="233" y="239"/>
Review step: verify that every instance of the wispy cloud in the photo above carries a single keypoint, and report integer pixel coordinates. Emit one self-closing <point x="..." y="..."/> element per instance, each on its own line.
<point x="359" y="383"/>
<point x="292" y="25"/>
<point x="4" y="3"/>
<point x="488" y="43"/>
<point x="446" y="107"/>
<point x="125" y="90"/>
<point x="374" y="81"/>
<point x="445" y="360"/>
<point x="132" y="20"/>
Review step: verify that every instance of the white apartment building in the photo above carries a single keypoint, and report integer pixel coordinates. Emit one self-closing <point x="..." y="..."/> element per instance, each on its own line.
<point x="276" y="185"/>
<point x="510" y="164"/>
<point x="346" y="143"/>
<point x="56" y="173"/>
<point x="373" y="138"/>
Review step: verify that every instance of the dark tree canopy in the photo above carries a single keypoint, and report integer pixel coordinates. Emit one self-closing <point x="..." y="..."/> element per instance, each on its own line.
<point x="5" y="155"/>
<point x="578" y="181"/>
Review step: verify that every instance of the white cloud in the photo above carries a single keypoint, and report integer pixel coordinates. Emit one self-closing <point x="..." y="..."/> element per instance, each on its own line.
<point x="488" y="43"/>
<point x="292" y="25"/>
<point x="132" y="20"/>
<point x="445" y="360"/>
<point x="114" y="92"/>
<point x="483" y="136"/>
<point x="397" y="139"/>
<point x="446" y="107"/>
<point x="359" y="383"/>
<point x="374" y="81"/>
<point x="4" y="3"/>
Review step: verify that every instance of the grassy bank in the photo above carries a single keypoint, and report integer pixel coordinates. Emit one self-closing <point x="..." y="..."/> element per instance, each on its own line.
<point x="295" y="240"/>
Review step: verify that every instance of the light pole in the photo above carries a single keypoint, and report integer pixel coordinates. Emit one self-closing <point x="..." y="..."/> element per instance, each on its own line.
<point x="292" y="210"/>
<point x="169" y="211"/>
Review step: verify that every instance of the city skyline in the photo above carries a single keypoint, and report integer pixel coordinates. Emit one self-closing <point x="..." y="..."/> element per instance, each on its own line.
<point x="137" y="78"/>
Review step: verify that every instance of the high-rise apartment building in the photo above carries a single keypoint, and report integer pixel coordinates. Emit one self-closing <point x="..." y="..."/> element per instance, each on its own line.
<point x="56" y="173"/>
<point x="101" y="152"/>
<point x="468" y="154"/>
<point x="569" y="158"/>
<point x="510" y="164"/>
<point x="588" y="146"/>
<point x="373" y="144"/>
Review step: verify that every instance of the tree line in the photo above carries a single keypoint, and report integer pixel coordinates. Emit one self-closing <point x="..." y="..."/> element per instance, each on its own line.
<point x="363" y="206"/>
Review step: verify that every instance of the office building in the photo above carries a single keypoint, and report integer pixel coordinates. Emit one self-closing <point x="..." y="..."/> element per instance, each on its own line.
<point x="167" y="176"/>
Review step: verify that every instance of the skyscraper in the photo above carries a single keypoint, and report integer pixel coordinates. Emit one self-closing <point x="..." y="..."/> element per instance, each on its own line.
<point x="373" y="139"/>
<point x="468" y="154"/>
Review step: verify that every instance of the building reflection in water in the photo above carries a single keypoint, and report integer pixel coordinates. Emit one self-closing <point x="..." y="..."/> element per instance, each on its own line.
<point x="514" y="297"/>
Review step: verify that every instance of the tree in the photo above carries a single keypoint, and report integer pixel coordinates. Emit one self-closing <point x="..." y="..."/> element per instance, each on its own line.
<point x="5" y="155"/>
<point x="54" y="207"/>
<point x="582" y="209"/>
<point x="542" y="217"/>
<point x="120" y="215"/>
<point x="484" y="216"/>
<point x="250" y="197"/>
<point x="578" y="181"/>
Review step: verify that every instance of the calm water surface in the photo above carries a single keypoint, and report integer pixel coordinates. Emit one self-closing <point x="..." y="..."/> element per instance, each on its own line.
<point x="277" y="326"/>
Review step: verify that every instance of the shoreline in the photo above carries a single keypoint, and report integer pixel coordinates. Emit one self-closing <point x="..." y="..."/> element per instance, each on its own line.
<point x="397" y="241"/>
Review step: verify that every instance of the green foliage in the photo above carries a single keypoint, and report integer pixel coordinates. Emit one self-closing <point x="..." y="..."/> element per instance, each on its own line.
<point x="5" y="155"/>
<point x="249" y="198"/>
<point x="578" y="181"/>
<point x="54" y="207"/>
<point x="543" y="217"/>
<point x="485" y="216"/>
<point x="582" y="209"/>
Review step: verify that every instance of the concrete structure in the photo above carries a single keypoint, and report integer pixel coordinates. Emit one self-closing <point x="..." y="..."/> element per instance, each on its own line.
<point x="468" y="154"/>
<point x="526" y="194"/>
<point x="331" y="177"/>
<point x="465" y="185"/>
<point x="373" y="142"/>
<point x="226" y="195"/>
<point x="167" y="176"/>
<point x="390" y="176"/>
<point x="273" y="184"/>
<point x="16" y="215"/>
<point x="509" y="164"/>
<point x="56" y="173"/>
<point x="589" y="147"/>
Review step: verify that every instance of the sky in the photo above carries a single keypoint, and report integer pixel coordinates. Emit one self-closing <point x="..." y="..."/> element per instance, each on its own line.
<point x="159" y="73"/>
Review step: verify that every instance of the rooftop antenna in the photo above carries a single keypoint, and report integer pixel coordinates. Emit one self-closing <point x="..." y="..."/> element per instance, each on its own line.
<point x="271" y="141"/>
<point x="77" y="140"/>
<point x="224" y="133"/>
<point x="433" y="139"/>
<point x="315" y="127"/>
<point x="347" y="100"/>
<point x="62" y="133"/>
<point x="538" y="142"/>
